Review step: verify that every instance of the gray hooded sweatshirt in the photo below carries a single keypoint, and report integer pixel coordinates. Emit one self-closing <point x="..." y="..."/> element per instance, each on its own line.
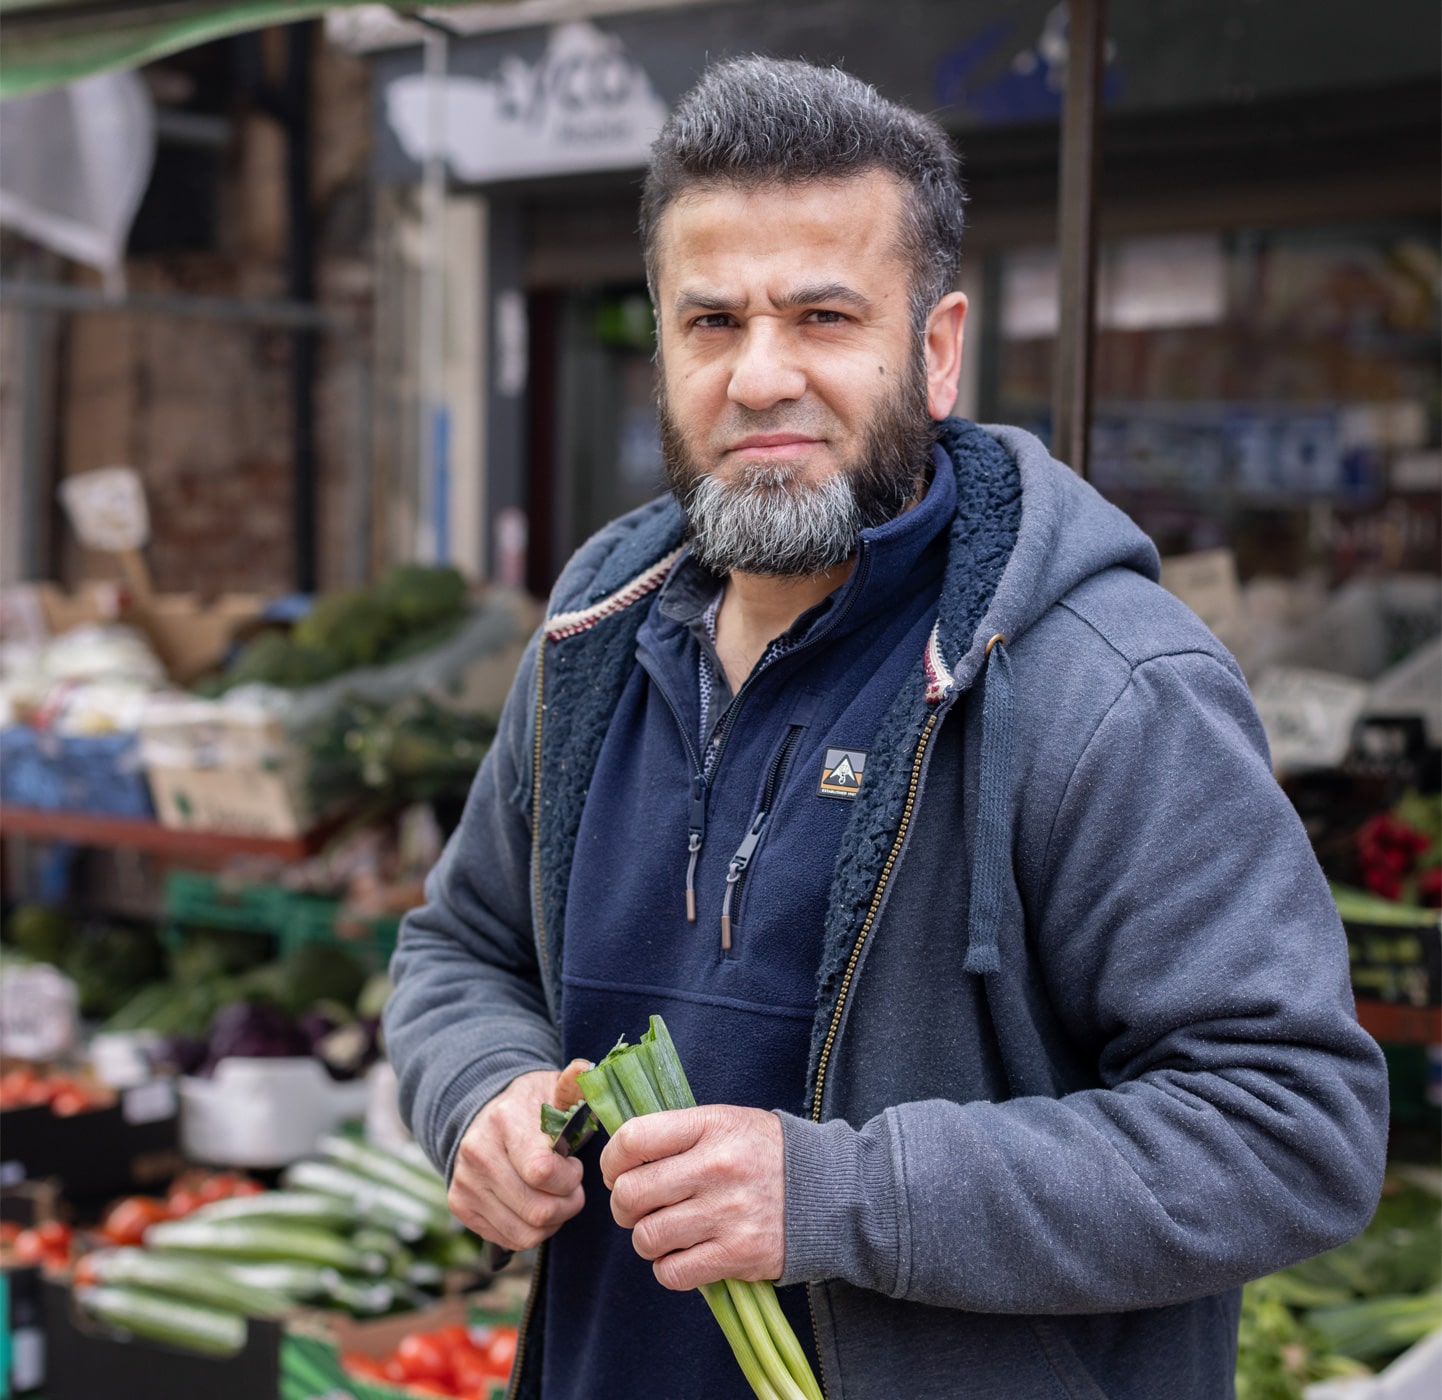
<point x="1084" y="1057"/>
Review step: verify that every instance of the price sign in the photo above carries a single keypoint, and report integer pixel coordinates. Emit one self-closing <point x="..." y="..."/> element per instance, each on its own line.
<point x="37" y="1013"/>
<point x="1308" y="715"/>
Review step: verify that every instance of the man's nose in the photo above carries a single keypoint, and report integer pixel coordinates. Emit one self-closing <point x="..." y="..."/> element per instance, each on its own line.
<point x="767" y="370"/>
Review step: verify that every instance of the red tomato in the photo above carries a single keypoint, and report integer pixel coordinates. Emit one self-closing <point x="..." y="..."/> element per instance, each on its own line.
<point x="85" y="1273"/>
<point x="8" y="1230"/>
<point x="181" y="1203"/>
<point x="70" y="1101"/>
<point x="127" y="1221"/>
<point x="424" y="1358"/>
<point x="56" y="1234"/>
<point x="366" y="1367"/>
<point x="392" y="1369"/>
<point x="501" y="1350"/>
<point x="454" y="1335"/>
<point x="428" y="1388"/>
<point x="29" y="1247"/>
<point x="473" y="1374"/>
<point x="246" y="1187"/>
<point x="217" y="1187"/>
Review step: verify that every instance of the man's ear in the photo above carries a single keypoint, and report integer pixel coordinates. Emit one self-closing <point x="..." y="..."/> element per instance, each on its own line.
<point x="945" y="332"/>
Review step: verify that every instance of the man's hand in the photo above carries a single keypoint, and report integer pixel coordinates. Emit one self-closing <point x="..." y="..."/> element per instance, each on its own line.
<point x="703" y="1192"/>
<point x="508" y="1186"/>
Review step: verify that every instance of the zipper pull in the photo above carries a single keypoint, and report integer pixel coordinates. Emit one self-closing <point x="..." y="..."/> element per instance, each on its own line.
<point x="696" y="836"/>
<point x="739" y="862"/>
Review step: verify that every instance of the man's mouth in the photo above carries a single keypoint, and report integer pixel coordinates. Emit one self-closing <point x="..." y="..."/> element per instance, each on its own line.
<point x="773" y="445"/>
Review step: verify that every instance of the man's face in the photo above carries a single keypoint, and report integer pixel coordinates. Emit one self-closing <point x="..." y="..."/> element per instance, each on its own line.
<point x="794" y="395"/>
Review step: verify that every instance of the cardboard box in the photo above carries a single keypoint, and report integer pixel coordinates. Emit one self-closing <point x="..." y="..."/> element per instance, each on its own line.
<point x="217" y="768"/>
<point x="192" y="638"/>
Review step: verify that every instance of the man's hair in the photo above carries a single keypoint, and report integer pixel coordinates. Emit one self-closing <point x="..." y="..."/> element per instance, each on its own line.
<point x="755" y="121"/>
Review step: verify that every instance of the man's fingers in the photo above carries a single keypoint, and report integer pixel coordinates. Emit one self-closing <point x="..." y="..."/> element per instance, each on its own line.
<point x="652" y="1136"/>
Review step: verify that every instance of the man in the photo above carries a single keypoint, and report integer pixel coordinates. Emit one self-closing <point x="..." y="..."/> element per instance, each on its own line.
<point x="945" y="841"/>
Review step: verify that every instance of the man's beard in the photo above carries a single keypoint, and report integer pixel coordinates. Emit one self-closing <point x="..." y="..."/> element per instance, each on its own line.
<point x="771" y="520"/>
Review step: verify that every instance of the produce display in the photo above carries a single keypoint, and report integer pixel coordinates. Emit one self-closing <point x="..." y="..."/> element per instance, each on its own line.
<point x="358" y="1229"/>
<point x="107" y="960"/>
<point x="647" y="1078"/>
<point x="66" y="1094"/>
<point x="412" y="608"/>
<point x="454" y="1360"/>
<point x="1351" y="1311"/>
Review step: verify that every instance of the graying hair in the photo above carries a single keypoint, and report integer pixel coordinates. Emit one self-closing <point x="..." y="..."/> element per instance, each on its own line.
<point x="757" y="121"/>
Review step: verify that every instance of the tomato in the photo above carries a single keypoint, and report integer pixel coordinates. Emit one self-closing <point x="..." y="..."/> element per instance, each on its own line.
<point x="181" y="1203"/>
<point x="424" y="1358"/>
<point x="452" y="1336"/>
<point x="218" y="1187"/>
<point x="472" y="1372"/>
<point x="70" y="1101"/>
<point x="8" y="1230"/>
<point x="85" y="1273"/>
<point x="392" y="1369"/>
<point x="501" y="1350"/>
<point x="127" y="1221"/>
<point x="29" y="1247"/>
<point x="366" y="1367"/>
<point x="246" y="1187"/>
<point x="427" y="1388"/>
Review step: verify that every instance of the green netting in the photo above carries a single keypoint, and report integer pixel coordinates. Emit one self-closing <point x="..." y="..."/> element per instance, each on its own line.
<point x="44" y="43"/>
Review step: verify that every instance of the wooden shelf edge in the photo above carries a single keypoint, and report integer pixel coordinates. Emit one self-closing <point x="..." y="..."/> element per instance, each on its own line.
<point x="95" y="829"/>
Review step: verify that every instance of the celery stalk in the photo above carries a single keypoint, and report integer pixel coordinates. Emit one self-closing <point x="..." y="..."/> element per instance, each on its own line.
<point x="719" y="1297"/>
<point x="648" y="1078"/>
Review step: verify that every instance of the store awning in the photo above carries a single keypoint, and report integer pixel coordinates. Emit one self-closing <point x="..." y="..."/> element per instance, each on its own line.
<point x="44" y="43"/>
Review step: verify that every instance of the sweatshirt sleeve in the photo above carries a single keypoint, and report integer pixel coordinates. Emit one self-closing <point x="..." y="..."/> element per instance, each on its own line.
<point x="468" y="1013"/>
<point x="1188" y="941"/>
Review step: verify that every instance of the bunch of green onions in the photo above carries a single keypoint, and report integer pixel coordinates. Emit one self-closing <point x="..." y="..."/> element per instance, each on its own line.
<point x="647" y="1078"/>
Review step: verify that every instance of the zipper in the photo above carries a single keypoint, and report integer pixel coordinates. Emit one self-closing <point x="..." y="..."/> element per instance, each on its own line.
<point x="882" y="881"/>
<point x="696" y="827"/>
<point x="523" y="1329"/>
<point x="736" y="871"/>
<point x="536" y="806"/>
<point x="696" y="822"/>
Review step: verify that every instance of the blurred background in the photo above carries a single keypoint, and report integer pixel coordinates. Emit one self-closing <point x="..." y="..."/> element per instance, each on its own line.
<point x="324" y="340"/>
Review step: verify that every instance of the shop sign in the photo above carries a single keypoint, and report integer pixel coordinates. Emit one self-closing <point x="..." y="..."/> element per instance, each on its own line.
<point x="585" y="104"/>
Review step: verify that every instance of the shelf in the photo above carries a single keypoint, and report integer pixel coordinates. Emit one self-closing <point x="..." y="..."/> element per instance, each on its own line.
<point x="1398" y="1024"/>
<point x="92" y="829"/>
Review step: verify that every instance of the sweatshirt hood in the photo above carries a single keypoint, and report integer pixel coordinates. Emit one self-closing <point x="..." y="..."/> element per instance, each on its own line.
<point x="1067" y="533"/>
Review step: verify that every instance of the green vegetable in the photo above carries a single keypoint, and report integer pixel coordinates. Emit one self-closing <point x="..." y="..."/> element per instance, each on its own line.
<point x="647" y="1078"/>
<point x="421" y="595"/>
<point x="161" y="1319"/>
<point x="191" y="1280"/>
<point x="40" y="932"/>
<point x="388" y="1170"/>
<point x="264" y="1240"/>
<point x="109" y="963"/>
<point x="295" y="1207"/>
<point x="398" y="1210"/>
<point x="1379" y="1328"/>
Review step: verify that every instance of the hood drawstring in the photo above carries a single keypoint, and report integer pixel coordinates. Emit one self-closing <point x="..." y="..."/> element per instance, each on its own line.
<point x="993" y="826"/>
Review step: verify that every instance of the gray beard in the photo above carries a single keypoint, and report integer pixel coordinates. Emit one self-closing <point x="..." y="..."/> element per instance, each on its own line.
<point x="774" y="522"/>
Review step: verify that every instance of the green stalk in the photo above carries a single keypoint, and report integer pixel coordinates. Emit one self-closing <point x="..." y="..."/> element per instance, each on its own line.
<point x="717" y="1295"/>
<point x="670" y="1077"/>
<point x="600" y="1091"/>
<point x="749" y="1312"/>
<point x="632" y="1074"/>
<point x="648" y="1078"/>
<point x="785" y="1339"/>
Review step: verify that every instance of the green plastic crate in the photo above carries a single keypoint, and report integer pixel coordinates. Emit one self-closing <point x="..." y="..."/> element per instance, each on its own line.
<point x="208" y="901"/>
<point x="315" y="919"/>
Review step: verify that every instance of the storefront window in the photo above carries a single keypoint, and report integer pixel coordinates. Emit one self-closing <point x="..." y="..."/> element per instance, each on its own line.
<point x="1274" y="392"/>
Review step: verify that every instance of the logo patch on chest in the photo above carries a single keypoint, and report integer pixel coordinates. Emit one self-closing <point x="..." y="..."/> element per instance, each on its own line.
<point x="842" y="772"/>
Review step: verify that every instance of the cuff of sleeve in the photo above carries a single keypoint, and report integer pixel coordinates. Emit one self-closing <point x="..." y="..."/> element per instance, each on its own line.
<point x="843" y="1216"/>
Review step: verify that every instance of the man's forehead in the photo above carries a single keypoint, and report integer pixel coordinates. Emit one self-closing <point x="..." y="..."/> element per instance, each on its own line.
<point x="714" y="222"/>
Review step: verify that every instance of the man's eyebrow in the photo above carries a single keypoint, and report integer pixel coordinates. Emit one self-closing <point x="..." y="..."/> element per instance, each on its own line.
<point x="818" y="294"/>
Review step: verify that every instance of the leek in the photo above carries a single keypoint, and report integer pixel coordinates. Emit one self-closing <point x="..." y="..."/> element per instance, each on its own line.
<point x="648" y="1078"/>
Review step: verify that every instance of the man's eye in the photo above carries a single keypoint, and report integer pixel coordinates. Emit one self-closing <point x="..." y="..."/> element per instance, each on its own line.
<point x="828" y="318"/>
<point x="715" y="320"/>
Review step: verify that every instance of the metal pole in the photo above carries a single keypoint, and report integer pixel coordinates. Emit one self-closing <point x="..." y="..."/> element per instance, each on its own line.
<point x="1076" y="232"/>
<point x="433" y="446"/>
